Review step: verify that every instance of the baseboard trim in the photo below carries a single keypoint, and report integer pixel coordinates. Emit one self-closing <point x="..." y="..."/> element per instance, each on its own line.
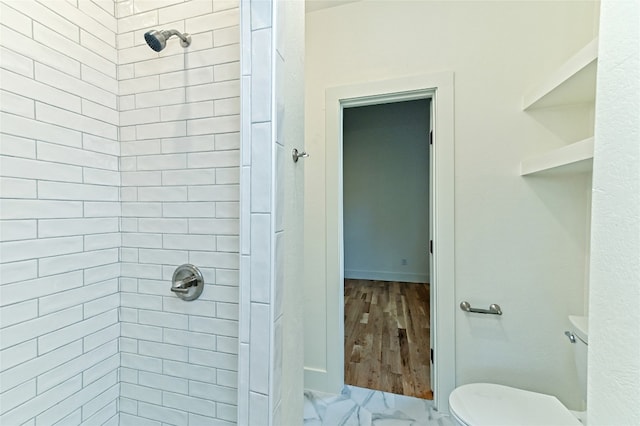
<point x="386" y="276"/>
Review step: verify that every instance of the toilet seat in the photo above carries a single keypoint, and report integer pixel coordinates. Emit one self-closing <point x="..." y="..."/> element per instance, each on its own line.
<point x="486" y="404"/>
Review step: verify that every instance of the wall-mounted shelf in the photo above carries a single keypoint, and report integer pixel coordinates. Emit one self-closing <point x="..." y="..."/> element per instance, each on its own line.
<point x="572" y="83"/>
<point x="574" y="158"/>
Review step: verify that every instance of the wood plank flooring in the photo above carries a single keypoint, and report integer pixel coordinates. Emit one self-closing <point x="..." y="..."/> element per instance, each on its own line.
<point x="387" y="337"/>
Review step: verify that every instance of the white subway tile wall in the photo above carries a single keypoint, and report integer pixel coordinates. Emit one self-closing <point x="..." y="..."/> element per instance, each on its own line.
<point x="262" y="175"/>
<point x="60" y="213"/>
<point x="118" y="164"/>
<point x="180" y="192"/>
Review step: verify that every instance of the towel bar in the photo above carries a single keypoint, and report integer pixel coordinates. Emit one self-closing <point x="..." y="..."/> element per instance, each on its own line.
<point x="494" y="309"/>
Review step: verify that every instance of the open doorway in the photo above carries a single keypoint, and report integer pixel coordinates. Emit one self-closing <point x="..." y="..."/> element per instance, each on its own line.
<point x="386" y="240"/>
<point x="324" y="370"/>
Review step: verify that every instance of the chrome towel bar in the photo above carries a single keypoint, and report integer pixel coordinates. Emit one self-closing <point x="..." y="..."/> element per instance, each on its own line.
<point x="494" y="309"/>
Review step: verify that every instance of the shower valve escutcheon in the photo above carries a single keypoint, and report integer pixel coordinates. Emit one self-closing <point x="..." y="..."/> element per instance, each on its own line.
<point x="187" y="282"/>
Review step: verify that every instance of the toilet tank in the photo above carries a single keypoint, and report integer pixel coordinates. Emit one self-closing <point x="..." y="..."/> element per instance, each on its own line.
<point x="580" y="329"/>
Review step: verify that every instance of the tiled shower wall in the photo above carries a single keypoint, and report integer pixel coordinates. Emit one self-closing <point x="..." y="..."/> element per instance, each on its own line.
<point x="180" y="123"/>
<point x="60" y="213"/>
<point x="270" y="353"/>
<point x="258" y="217"/>
<point x="86" y="202"/>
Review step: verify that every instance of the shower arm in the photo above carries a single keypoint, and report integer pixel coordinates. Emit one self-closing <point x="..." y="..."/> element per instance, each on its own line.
<point x="185" y="39"/>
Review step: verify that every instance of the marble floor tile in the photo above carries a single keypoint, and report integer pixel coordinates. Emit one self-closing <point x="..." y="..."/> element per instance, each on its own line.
<point x="365" y="407"/>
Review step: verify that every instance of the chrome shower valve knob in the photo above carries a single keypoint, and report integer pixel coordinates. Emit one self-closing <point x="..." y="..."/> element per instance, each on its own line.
<point x="187" y="282"/>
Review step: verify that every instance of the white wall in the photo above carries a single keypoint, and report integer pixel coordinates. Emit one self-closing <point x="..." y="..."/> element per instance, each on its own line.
<point x="180" y="123"/>
<point x="290" y="93"/>
<point x="60" y="213"/>
<point x="614" y="320"/>
<point x="519" y="242"/>
<point x="386" y="191"/>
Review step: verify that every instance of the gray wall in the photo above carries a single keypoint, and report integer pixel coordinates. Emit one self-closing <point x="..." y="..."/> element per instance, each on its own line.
<point x="386" y="191"/>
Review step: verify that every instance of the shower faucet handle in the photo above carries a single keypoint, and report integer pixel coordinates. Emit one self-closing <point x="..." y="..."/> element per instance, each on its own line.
<point x="182" y="286"/>
<point x="187" y="282"/>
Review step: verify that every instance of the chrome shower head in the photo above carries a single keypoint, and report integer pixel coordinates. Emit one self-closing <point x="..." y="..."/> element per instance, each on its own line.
<point x="157" y="40"/>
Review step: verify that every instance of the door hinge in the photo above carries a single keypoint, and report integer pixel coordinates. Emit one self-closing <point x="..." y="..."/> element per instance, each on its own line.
<point x="431" y="137"/>
<point x="431" y="246"/>
<point x="432" y="356"/>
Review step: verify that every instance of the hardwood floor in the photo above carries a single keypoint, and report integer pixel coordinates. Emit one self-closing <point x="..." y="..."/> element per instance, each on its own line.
<point x="387" y="337"/>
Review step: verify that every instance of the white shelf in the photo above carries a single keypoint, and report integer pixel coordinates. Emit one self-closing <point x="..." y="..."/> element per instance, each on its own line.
<point x="574" y="158"/>
<point x="573" y="82"/>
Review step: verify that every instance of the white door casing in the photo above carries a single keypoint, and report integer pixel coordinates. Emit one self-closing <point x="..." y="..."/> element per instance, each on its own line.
<point x="430" y="254"/>
<point x="438" y="87"/>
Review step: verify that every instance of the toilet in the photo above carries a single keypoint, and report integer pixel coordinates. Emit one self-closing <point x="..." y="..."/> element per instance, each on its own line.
<point x="488" y="404"/>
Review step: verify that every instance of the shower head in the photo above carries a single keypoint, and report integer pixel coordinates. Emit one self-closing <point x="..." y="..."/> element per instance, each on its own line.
<point x="157" y="40"/>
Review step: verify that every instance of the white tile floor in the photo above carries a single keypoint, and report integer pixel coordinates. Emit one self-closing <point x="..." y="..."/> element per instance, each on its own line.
<point x="365" y="407"/>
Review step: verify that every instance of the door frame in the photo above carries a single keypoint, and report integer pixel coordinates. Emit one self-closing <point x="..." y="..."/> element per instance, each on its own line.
<point x="439" y="87"/>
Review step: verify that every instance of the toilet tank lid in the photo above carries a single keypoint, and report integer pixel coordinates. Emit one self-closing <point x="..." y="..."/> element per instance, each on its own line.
<point x="580" y="326"/>
<point x="488" y="404"/>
